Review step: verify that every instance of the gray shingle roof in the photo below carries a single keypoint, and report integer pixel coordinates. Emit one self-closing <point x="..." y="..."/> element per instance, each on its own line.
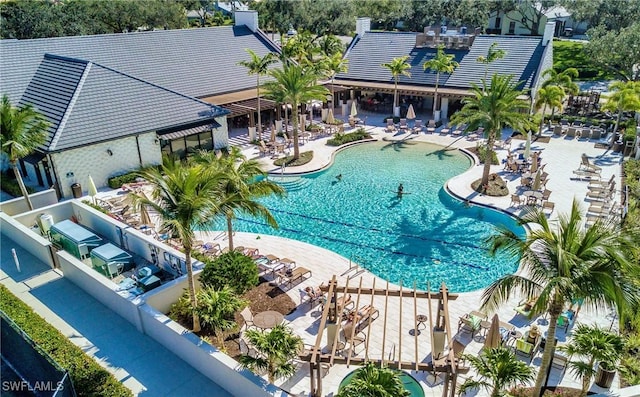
<point x="86" y="103"/>
<point x="196" y="62"/>
<point x="375" y="48"/>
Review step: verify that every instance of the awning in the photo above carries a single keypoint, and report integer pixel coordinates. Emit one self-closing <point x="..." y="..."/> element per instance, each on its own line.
<point x="336" y="88"/>
<point x="248" y="106"/>
<point x="34" y="158"/>
<point x="188" y="131"/>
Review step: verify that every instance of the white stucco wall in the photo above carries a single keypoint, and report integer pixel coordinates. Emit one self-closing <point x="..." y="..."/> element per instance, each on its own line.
<point x="221" y="134"/>
<point x="75" y="166"/>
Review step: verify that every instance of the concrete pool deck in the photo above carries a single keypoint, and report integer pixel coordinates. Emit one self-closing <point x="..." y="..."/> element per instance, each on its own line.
<point x="561" y="155"/>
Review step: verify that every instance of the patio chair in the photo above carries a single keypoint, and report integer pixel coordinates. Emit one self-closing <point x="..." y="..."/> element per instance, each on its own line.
<point x="418" y="127"/>
<point x="596" y="133"/>
<point x="548" y="206"/>
<point x="527" y="349"/>
<point x="525" y="307"/>
<point x="470" y="322"/>
<point x="601" y="183"/>
<point x="312" y="295"/>
<point x="567" y="319"/>
<point x="390" y="126"/>
<point x="445" y="130"/>
<point x="585" y="164"/>
<point x="360" y="318"/>
<point x="431" y="127"/>
<point x="247" y="316"/>
<point x="290" y="277"/>
<point x="403" y="124"/>
<point x="516" y="201"/>
<point x="557" y="130"/>
<point x="560" y="362"/>
<point x="458" y="130"/>
<point x="571" y="132"/>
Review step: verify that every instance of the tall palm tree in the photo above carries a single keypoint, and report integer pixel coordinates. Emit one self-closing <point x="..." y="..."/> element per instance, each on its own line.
<point x="596" y="345"/>
<point x="259" y="66"/>
<point x="242" y="182"/>
<point x="277" y="348"/>
<point x="562" y="263"/>
<point x="186" y="199"/>
<point x="625" y="97"/>
<point x="441" y="63"/>
<point x="330" y="45"/>
<point x="23" y="131"/>
<point x="371" y="380"/>
<point x="493" y="109"/>
<point x="548" y="96"/>
<point x="499" y="370"/>
<point x="216" y="310"/>
<point x="493" y="54"/>
<point x="333" y="65"/>
<point x="398" y="66"/>
<point x="295" y="87"/>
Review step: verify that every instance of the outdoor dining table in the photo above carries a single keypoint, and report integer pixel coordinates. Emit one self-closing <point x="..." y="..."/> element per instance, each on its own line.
<point x="268" y="319"/>
<point x="532" y="196"/>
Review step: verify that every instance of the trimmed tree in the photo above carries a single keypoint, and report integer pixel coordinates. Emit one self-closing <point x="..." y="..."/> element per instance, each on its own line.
<point x="23" y="131"/>
<point x="441" y="63"/>
<point x="550" y="96"/>
<point x="371" y="380"/>
<point x="259" y="66"/>
<point x="398" y="66"/>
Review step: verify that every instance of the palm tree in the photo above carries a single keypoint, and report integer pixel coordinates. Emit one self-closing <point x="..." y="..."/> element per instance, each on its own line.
<point x="242" y="183"/>
<point x="625" y="97"/>
<point x="333" y="65"/>
<point x="493" y="109"/>
<point x="564" y="80"/>
<point x="259" y="66"/>
<point x="493" y="54"/>
<point x="551" y="96"/>
<point x="563" y="263"/>
<point x="216" y="310"/>
<point x="276" y="350"/>
<point x="185" y="198"/>
<point x="441" y="63"/>
<point x="371" y="380"/>
<point x="23" y="131"/>
<point x="330" y="45"/>
<point x="595" y="344"/>
<point x="295" y="87"/>
<point x="499" y="370"/>
<point x="398" y="66"/>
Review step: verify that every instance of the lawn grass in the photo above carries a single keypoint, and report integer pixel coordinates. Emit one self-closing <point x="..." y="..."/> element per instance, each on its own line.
<point x="570" y="54"/>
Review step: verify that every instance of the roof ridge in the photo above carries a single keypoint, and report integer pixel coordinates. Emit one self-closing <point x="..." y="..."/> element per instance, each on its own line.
<point x="72" y="101"/>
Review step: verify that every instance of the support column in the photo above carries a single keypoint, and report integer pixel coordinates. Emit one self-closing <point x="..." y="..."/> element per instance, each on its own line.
<point x="444" y="108"/>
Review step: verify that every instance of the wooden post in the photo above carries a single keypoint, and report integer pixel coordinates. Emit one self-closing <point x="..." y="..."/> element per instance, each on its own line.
<point x="313" y="381"/>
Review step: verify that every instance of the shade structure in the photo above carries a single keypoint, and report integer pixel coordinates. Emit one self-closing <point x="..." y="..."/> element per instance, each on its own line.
<point x="536" y="181"/>
<point x="411" y="114"/>
<point x="354" y="110"/>
<point x="330" y="118"/>
<point x="93" y="191"/>
<point x="527" y="147"/>
<point x="493" y="338"/>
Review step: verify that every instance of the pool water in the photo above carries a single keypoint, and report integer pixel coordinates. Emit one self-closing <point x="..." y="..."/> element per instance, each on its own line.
<point x="423" y="236"/>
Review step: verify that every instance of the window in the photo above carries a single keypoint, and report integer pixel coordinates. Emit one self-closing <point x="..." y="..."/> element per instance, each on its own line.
<point x="498" y="23"/>
<point x="512" y="27"/>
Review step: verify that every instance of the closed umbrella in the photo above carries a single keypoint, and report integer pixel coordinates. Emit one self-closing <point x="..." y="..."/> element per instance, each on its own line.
<point x="527" y="147"/>
<point x="354" y="111"/>
<point x="411" y="114"/>
<point x="536" y="181"/>
<point x="534" y="163"/>
<point x="92" y="189"/>
<point x="330" y="118"/>
<point x="273" y="135"/>
<point x="493" y="338"/>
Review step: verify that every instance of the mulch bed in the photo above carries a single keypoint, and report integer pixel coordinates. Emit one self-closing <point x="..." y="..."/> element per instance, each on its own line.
<point x="541" y="139"/>
<point x="497" y="186"/>
<point x="261" y="298"/>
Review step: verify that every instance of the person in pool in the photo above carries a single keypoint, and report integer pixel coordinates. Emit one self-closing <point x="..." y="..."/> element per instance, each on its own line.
<point x="339" y="177"/>
<point x="400" y="190"/>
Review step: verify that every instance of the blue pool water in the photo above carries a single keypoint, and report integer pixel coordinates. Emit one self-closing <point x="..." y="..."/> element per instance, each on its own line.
<point x="425" y="236"/>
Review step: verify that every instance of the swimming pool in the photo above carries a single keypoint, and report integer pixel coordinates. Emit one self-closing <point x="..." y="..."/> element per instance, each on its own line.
<point x="426" y="235"/>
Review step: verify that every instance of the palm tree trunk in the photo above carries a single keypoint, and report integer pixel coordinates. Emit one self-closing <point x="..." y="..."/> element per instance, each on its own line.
<point x="547" y="354"/>
<point x="333" y="94"/>
<point x="615" y="129"/>
<point x="435" y="96"/>
<point x="395" y="96"/>
<point x="294" y="115"/>
<point x="586" y="379"/>
<point x="544" y="109"/>
<point x="259" y="116"/>
<point x="230" y="231"/>
<point x="23" y="188"/>
<point x="487" y="161"/>
<point x="192" y="288"/>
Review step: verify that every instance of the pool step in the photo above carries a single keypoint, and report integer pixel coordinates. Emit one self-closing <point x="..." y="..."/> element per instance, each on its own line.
<point x="291" y="183"/>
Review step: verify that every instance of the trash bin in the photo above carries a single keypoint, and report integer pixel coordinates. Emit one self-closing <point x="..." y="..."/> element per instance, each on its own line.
<point x="77" y="190"/>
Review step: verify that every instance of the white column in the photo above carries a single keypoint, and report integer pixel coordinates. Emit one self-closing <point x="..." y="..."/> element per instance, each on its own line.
<point x="444" y="107"/>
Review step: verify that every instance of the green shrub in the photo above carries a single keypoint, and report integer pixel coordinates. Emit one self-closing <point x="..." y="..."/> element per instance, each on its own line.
<point x="89" y="378"/>
<point x="95" y="206"/>
<point x="116" y="182"/>
<point x="341" y="139"/>
<point x="304" y="158"/>
<point x="10" y="185"/>
<point x="233" y="269"/>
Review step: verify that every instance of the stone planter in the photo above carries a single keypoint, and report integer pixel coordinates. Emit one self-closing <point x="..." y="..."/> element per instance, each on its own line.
<point x="604" y="377"/>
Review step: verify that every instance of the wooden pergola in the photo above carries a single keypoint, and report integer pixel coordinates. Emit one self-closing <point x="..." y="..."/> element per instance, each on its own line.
<point x="331" y="321"/>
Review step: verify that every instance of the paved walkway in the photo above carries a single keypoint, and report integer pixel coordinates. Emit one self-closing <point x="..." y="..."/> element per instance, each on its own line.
<point x="136" y="360"/>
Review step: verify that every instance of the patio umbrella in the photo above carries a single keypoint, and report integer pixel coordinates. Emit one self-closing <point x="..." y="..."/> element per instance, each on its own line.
<point x="534" y="163"/>
<point x="354" y="111"/>
<point x="273" y="135"/>
<point x="411" y="114"/>
<point x="536" y="181"/>
<point x="493" y="338"/>
<point x="92" y="189"/>
<point x="527" y="147"/>
<point x="330" y="118"/>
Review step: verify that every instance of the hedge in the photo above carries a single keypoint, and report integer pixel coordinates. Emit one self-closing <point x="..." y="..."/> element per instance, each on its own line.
<point x="89" y="378"/>
<point x="341" y="139"/>
<point x="10" y="185"/>
<point x="116" y="182"/>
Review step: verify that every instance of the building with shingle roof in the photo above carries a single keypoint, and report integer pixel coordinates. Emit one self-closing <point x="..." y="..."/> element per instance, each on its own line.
<point x="117" y="102"/>
<point x="525" y="57"/>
